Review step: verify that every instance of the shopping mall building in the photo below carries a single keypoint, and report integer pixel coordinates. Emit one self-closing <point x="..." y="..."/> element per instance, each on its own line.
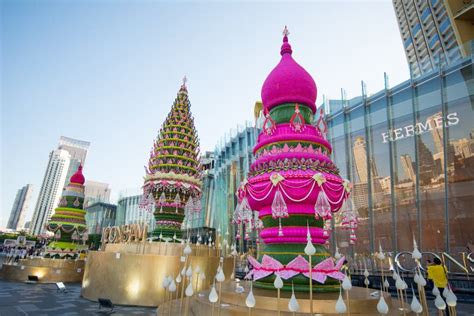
<point x="409" y="152"/>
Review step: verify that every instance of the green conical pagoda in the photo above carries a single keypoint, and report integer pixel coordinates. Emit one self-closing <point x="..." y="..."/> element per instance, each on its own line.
<point x="173" y="180"/>
<point x="68" y="222"/>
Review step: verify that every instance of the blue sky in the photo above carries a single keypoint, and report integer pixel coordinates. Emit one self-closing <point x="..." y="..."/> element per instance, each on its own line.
<point x="108" y="71"/>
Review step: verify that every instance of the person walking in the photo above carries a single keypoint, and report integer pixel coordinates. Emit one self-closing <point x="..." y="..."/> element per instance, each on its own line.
<point x="438" y="274"/>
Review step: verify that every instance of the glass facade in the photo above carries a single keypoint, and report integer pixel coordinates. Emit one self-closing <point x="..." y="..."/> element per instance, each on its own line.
<point x="130" y="212"/>
<point x="100" y="215"/>
<point x="409" y="152"/>
<point x="232" y="159"/>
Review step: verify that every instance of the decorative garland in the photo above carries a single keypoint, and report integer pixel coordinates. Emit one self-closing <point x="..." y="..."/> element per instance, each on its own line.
<point x="170" y="224"/>
<point x="293" y="164"/>
<point x="299" y="265"/>
<point x="284" y="133"/>
<point x="70" y="209"/>
<point x="261" y="191"/>
<point x="51" y="227"/>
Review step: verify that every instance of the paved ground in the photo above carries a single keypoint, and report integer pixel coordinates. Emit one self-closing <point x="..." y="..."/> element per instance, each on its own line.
<point x="43" y="299"/>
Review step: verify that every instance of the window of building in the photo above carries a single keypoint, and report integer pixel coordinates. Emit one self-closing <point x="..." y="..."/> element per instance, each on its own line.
<point x="381" y="182"/>
<point x="404" y="168"/>
<point x="460" y="157"/>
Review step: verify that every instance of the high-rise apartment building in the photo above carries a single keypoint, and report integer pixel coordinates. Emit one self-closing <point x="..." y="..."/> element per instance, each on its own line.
<point x="20" y="207"/>
<point x="96" y="192"/>
<point x="433" y="32"/>
<point x="51" y="189"/>
<point x="78" y="151"/>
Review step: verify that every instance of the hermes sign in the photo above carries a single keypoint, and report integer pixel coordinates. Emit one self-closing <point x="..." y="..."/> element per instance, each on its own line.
<point x="433" y="122"/>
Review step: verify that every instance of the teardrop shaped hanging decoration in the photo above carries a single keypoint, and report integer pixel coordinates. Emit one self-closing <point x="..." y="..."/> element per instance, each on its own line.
<point x="382" y="306"/>
<point x="415" y="304"/>
<point x="279" y="207"/>
<point x="63" y="202"/>
<point x="322" y="208"/>
<point x="293" y="304"/>
<point x="341" y="307"/>
<point x="297" y="122"/>
<point x="76" y="202"/>
<point x="237" y="217"/>
<point x="177" y="202"/>
<point x="197" y="205"/>
<point x="189" y="290"/>
<point x="189" y="207"/>
<point x="57" y="235"/>
<point x="269" y="125"/>
<point x="162" y="199"/>
<point x="213" y="297"/>
<point x="250" y="300"/>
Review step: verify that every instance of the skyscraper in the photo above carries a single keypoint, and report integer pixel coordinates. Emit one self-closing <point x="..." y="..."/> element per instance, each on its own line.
<point x="360" y="159"/>
<point x="20" y="207"/>
<point x="407" y="165"/>
<point x="50" y="192"/>
<point x="437" y="132"/>
<point x="432" y="32"/>
<point x="78" y="151"/>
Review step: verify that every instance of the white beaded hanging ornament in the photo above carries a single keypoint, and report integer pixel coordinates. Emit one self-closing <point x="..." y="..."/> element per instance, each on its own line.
<point x="350" y="219"/>
<point x="162" y="201"/>
<point x="177" y="202"/>
<point x="279" y="209"/>
<point x="322" y="208"/>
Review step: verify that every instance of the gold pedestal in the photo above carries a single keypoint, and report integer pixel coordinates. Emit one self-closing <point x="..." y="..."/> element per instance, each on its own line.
<point x="46" y="269"/>
<point x="132" y="274"/>
<point x="233" y="303"/>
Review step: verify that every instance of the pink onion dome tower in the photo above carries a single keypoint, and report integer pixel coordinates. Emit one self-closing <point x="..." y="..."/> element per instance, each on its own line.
<point x="173" y="176"/>
<point x="293" y="184"/>
<point x="68" y="222"/>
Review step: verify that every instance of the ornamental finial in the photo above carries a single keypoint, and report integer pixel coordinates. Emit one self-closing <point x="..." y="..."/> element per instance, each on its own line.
<point x="286" y="47"/>
<point x="185" y="79"/>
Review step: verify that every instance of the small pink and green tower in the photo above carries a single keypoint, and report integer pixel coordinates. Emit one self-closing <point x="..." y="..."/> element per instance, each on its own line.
<point x="68" y="222"/>
<point x="173" y="176"/>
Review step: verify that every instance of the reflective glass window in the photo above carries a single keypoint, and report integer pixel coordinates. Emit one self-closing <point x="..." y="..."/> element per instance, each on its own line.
<point x="359" y="176"/>
<point x="460" y="167"/>
<point x="404" y="168"/>
<point x="381" y="180"/>
<point x="430" y="164"/>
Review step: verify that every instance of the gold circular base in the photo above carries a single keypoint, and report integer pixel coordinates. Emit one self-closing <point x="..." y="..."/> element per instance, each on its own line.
<point x="47" y="270"/>
<point x="233" y="303"/>
<point x="132" y="274"/>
